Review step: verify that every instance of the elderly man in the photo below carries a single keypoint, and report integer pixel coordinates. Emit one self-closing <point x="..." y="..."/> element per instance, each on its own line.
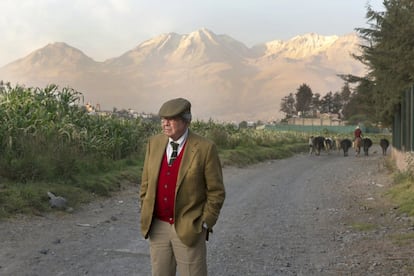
<point x="181" y="193"/>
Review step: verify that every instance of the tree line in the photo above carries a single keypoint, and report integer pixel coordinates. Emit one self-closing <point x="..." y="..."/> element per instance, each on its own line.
<point x="387" y="51"/>
<point x="307" y="104"/>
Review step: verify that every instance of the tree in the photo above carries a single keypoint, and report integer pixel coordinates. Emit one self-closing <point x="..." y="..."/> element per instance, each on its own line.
<point x="315" y="104"/>
<point x="243" y="124"/>
<point x="303" y="99"/>
<point x="388" y="52"/>
<point x="336" y="103"/>
<point x="327" y="103"/>
<point x="345" y="94"/>
<point x="359" y="107"/>
<point x="287" y="105"/>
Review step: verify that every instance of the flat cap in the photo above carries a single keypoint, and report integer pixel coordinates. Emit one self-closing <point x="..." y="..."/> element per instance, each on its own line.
<point x="175" y="107"/>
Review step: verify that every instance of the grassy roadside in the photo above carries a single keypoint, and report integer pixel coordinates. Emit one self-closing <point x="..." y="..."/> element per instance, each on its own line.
<point x="402" y="192"/>
<point x="394" y="211"/>
<point x="31" y="197"/>
<point x="243" y="156"/>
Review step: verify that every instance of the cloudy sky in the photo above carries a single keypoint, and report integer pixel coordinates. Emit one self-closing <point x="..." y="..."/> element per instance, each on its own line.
<point x="105" y="29"/>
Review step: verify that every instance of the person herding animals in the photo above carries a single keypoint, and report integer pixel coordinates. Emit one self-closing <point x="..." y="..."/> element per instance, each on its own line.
<point x="357" y="132"/>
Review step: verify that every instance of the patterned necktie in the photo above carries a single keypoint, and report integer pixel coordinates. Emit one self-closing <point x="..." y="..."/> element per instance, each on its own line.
<point x="174" y="152"/>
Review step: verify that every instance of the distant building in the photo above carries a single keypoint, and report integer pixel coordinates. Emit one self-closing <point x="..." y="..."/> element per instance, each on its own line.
<point x="324" y="119"/>
<point x="251" y="124"/>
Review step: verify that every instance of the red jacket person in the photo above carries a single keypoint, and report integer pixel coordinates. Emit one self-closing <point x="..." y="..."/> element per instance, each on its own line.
<point x="357" y="133"/>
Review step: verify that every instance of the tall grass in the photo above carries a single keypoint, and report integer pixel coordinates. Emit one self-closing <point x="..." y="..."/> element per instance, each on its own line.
<point x="402" y="192"/>
<point x="46" y="134"/>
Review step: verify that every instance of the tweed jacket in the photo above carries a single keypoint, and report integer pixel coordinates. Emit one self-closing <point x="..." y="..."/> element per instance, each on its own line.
<point x="199" y="193"/>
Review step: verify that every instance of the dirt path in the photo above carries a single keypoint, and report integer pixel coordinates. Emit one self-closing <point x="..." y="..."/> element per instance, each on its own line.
<point x="298" y="216"/>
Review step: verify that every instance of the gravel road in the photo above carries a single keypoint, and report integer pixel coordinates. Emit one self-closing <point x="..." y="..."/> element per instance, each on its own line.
<point x="282" y="217"/>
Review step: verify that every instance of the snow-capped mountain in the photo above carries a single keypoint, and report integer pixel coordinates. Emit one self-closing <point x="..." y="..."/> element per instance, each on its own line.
<point x="299" y="47"/>
<point x="224" y="79"/>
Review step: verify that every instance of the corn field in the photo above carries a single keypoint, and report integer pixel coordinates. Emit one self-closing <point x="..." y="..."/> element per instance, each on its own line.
<point x="47" y="134"/>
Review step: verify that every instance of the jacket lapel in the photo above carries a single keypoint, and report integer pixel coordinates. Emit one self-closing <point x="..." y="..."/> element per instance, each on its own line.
<point x="189" y="154"/>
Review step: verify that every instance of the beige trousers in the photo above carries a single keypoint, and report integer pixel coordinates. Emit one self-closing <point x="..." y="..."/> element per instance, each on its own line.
<point x="169" y="254"/>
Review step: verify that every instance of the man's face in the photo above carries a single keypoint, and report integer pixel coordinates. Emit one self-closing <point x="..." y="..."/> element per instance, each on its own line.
<point x="173" y="127"/>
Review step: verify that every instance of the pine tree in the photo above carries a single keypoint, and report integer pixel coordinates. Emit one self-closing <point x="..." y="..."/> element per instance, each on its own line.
<point x="388" y="52"/>
<point x="303" y="99"/>
<point x="287" y="105"/>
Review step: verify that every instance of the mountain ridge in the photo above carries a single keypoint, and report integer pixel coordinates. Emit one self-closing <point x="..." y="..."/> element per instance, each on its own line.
<point x="223" y="77"/>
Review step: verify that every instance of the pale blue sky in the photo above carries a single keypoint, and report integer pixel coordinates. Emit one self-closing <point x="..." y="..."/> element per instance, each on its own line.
<point x="105" y="29"/>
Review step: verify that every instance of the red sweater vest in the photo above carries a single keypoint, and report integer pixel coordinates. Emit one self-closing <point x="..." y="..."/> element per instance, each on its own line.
<point x="167" y="182"/>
